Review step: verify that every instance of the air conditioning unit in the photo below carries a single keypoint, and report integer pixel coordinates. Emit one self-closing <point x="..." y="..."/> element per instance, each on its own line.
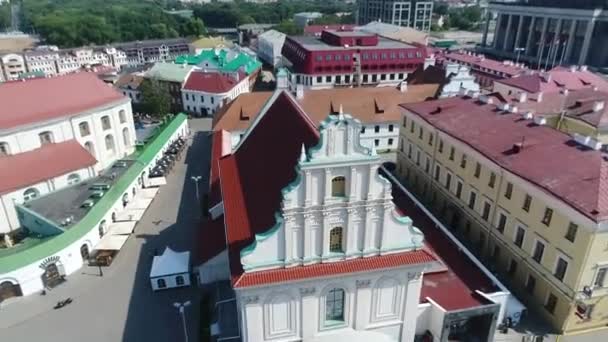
<point x="540" y="120"/>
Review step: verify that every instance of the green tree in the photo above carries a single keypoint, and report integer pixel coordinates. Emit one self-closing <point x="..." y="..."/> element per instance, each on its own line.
<point x="155" y="98"/>
<point x="288" y="27"/>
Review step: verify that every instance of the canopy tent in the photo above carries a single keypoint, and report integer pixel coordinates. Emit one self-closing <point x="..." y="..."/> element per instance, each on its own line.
<point x="169" y="263"/>
<point x="139" y="203"/>
<point x="147" y="192"/>
<point x="130" y="215"/>
<point x="111" y="242"/>
<point x="156" y="181"/>
<point x="120" y="228"/>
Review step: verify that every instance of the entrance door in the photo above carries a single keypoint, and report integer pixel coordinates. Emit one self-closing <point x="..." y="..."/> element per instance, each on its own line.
<point x="51" y="276"/>
<point x="8" y="290"/>
<point x="84" y="252"/>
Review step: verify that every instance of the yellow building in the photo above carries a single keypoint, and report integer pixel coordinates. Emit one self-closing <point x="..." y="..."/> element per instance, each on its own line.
<point x="527" y="198"/>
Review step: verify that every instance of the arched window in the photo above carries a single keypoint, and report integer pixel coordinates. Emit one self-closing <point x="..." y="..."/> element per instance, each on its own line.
<point x="84" y="129"/>
<point x="5" y="150"/>
<point x="46" y="137"/>
<point x="90" y="147"/>
<point x="109" y="140"/>
<point x="105" y="122"/>
<point x="161" y="283"/>
<point x="126" y="139"/>
<point x="122" y="116"/>
<point x="334" y="305"/>
<point x="102" y="228"/>
<point x="30" y="194"/>
<point x="179" y="280"/>
<point x="338" y="187"/>
<point x="335" y="240"/>
<point x="73" y="179"/>
<point x="84" y="252"/>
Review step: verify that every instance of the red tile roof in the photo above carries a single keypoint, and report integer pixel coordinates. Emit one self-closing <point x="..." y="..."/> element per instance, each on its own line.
<point x="576" y="177"/>
<point x="555" y="80"/>
<point x="252" y="178"/>
<point x="212" y="82"/>
<point x="335" y="268"/>
<point x="21" y="170"/>
<point x="479" y="61"/>
<point x="43" y="99"/>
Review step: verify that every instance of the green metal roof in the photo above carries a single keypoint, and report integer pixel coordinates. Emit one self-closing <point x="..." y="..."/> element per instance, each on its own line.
<point x="38" y="249"/>
<point x="169" y="72"/>
<point x="223" y="60"/>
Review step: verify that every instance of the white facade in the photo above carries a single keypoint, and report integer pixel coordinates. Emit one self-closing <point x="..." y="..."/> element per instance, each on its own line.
<point x="12" y="65"/>
<point x="270" y="46"/>
<point x="108" y="133"/>
<point x="57" y="62"/>
<point x="460" y="80"/>
<point x="207" y="103"/>
<point x="69" y="260"/>
<point x="327" y="81"/>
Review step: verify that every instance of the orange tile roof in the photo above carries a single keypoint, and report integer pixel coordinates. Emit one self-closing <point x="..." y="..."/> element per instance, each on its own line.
<point x="369" y="105"/>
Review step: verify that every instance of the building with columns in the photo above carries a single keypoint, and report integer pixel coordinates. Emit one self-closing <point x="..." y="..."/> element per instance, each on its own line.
<point x="313" y="248"/>
<point x="410" y="13"/>
<point x="550" y="33"/>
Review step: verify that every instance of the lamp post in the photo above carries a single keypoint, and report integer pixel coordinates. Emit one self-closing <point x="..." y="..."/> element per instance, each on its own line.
<point x="181" y="307"/>
<point x="519" y="51"/>
<point x="196" y="179"/>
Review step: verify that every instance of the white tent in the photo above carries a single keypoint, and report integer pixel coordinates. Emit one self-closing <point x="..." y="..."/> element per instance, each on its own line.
<point x="111" y="242"/>
<point x="170" y="269"/>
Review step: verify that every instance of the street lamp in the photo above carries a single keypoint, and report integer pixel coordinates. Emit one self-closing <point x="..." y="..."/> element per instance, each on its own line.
<point x="196" y="179"/>
<point x="519" y="51"/>
<point x="181" y="307"/>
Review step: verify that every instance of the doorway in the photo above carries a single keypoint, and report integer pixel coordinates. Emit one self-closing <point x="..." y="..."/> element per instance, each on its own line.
<point x="51" y="276"/>
<point x="9" y="290"/>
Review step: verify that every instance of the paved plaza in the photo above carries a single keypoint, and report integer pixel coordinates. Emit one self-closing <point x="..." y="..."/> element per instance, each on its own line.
<point x="120" y="305"/>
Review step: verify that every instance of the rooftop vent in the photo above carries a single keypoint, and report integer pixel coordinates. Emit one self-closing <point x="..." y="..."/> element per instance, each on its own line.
<point x="572" y="68"/>
<point x="485" y="99"/>
<point x="528" y="115"/>
<point x="523" y="97"/>
<point x="242" y="116"/>
<point x="598" y="106"/>
<point x="539" y="97"/>
<point x="583" y="68"/>
<point x="540" y="120"/>
<point x="587" y="141"/>
<point x="513" y="110"/>
<point x="517" y="147"/>
<point x="503" y="106"/>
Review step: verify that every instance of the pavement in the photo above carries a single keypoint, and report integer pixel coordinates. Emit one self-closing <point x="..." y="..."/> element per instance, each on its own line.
<point x="120" y="305"/>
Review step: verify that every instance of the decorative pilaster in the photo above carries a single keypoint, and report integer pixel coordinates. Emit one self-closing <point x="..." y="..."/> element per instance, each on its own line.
<point x="505" y="42"/>
<point x="307" y="188"/>
<point x="351" y="233"/>
<point x="586" y="42"/>
<point x="518" y="35"/>
<point x="370" y="231"/>
<point x="530" y="35"/>
<point x="352" y="184"/>
<point x="327" y="189"/>
<point x="324" y="229"/>
<point x="571" y="35"/>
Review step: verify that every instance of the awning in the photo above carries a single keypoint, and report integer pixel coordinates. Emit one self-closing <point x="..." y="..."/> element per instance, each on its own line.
<point x="147" y="193"/>
<point x="119" y="228"/>
<point x="170" y="262"/>
<point x="156" y="181"/>
<point x="139" y="203"/>
<point x="130" y="215"/>
<point x="111" y="242"/>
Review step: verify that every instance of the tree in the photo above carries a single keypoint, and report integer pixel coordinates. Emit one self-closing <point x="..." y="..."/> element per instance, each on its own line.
<point x="156" y="99"/>
<point x="289" y="28"/>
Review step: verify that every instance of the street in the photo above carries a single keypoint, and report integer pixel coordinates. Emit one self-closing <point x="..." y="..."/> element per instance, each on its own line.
<point x="120" y="305"/>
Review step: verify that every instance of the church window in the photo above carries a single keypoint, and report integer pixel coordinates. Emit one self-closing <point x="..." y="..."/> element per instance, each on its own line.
<point x="334" y="305"/>
<point x="335" y="240"/>
<point x="338" y="187"/>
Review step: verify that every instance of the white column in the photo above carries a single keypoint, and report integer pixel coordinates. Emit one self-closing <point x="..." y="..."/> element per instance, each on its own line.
<point x="308" y="236"/>
<point x="571" y="36"/>
<point x="253" y="319"/>
<point x="530" y="35"/>
<point x="507" y="32"/>
<point x="369" y="235"/>
<point x="484" y="39"/>
<point x="352" y="233"/>
<point x="310" y="312"/>
<point x="410" y="306"/>
<point x="386" y="218"/>
<point x="496" y="29"/>
<point x="288" y="231"/>
<point x="327" y="185"/>
<point x="586" y="42"/>
<point x="541" y="45"/>
<point x="363" y="304"/>
<point x="370" y="188"/>
<point x="307" y="188"/>
<point x="352" y="184"/>
<point x="325" y="236"/>
<point x="518" y="35"/>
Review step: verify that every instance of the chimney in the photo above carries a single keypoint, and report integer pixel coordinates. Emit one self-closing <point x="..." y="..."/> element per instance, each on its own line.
<point x="598" y="106"/>
<point x="242" y="116"/>
<point x="573" y="68"/>
<point x="517" y="147"/>
<point x="299" y="91"/>
<point x="583" y="68"/>
<point x="523" y="97"/>
<point x="539" y="97"/>
<point x="403" y="86"/>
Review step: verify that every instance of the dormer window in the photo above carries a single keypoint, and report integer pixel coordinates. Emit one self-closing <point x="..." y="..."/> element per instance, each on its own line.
<point x="338" y="187"/>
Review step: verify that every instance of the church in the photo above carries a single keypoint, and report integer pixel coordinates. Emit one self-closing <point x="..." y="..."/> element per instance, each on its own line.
<point x="305" y="232"/>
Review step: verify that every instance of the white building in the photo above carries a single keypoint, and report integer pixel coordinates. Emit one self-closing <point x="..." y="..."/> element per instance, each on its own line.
<point x="11" y="66"/>
<point x="52" y="61"/>
<point x="410" y="13"/>
<point x="128" y="85"/>
<point x="270" y="45"/>
<point x="204" y="93"/>
<point x="304" y="18"/>
<point x="82" y="127"/>
<point x="170" y="270"/>
<point x="64" y="235"/>
<point x="323" y="255"/>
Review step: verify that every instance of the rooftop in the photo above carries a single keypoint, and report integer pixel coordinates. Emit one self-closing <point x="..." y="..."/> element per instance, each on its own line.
<point x="129" y="81"/>
<point x="494" y="134"/>
<point x="557" y="79"/>
<point x="169" y="72"/>
<point x="151" y="43"/>
<point x="212" y="43"/>
<point x="317" y="29"/>
<point x="507" y="67"/>
<point x="312" y="43"/>
<point x="213" y="82"/>
<point x="369" y="105"/>
<point x="400" y="33"/>
<point x="62" y="96"/>
<point x="226" y="60"/>
<point x="67" y="202"/>
<point x="21" y="170"/>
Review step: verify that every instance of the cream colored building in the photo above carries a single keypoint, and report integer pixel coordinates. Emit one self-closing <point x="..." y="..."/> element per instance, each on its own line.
<point x="530" y="200"/>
